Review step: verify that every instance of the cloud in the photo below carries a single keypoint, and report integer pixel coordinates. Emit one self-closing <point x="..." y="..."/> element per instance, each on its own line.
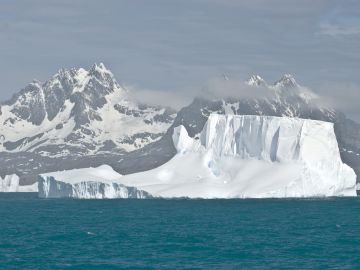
<point x="233" y="88"/>
<point x="344" y="97"/>
<point x="333" y="29"/>
<point x="215" y="88"/>
<point x="341" y="96"/>
<point x="173" y="99"/>
<point x="342" y="20"/>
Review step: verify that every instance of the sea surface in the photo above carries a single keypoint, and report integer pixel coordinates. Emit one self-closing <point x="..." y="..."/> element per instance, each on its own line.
<point x="178" y="234"/>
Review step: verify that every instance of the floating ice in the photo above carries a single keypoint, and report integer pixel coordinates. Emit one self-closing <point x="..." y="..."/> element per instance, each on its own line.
<point x="235" y="157"/>
<point x="10" y="183"/>
<point x="90" y="183"/>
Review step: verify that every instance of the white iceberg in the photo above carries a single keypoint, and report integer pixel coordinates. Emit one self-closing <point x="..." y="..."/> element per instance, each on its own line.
<point x="90" y="183"/>
<point x="234" y="157"/>
<point x="10" y="183"/>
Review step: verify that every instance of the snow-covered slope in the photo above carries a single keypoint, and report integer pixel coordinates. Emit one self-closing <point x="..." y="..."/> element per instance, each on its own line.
<point x="244" y="157"/>
<point x="10" y="183"/>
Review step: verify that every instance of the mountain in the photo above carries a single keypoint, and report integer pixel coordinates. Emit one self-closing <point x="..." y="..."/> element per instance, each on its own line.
<point x="235" y="156"/>
<point x="75" y="113"/>
<point x="83" y="118"/>
<point x="79" y="112"/>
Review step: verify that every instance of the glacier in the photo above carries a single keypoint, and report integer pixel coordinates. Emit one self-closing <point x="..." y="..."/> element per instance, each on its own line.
<point x="234" y="156"/>
<point x="11" y="183"/>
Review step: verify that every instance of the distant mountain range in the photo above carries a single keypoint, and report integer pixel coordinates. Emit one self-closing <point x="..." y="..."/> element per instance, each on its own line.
<point x="80" y="118"/>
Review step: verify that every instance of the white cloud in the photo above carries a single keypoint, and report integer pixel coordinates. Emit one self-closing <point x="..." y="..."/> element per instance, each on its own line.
<point x="333" y="29"/>
<point x="342" y="96"/>
<point x="173" y="99"/>
<point x="219" y="88"/>
<point x="215" y="88"/>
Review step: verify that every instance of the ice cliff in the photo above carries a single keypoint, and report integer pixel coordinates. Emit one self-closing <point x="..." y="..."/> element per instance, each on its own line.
<point x="10" y="183"/>
<point x="233" y="157"/>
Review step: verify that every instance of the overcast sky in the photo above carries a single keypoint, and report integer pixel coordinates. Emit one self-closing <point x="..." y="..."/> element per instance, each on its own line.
<point x="170" y="45"/>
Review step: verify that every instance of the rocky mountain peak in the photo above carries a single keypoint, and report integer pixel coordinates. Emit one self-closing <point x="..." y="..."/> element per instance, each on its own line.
<point x="286" y="81"/>
<point x="100" y="68"/>
<point x="100" y="71"/>
<point x="255" y="80"/>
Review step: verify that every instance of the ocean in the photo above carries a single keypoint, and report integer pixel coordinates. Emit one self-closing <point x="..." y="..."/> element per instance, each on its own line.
<point x="179" y="234"/>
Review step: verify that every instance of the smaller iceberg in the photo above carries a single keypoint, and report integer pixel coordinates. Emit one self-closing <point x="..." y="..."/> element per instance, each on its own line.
<point x="91" y="183"/>
<point x="11" y="183"/>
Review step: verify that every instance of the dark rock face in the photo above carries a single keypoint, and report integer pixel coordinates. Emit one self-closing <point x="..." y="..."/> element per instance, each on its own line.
<point x="30" y="104"/>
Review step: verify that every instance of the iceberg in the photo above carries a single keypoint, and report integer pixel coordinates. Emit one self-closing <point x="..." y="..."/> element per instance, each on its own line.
<point x="234" y="156"/>
<point x="90" y="183"/>
<point x="11" y="183"/>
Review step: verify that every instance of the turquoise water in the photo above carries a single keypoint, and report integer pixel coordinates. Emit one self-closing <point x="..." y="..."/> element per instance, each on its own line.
<point x="178" y="234"/>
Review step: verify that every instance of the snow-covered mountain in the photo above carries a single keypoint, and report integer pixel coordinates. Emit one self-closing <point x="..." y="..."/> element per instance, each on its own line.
<point x="234" y="157"/>
<point x="81" y="118"/>
<point x="77" y="117"/>
<point x="79" y="112"/>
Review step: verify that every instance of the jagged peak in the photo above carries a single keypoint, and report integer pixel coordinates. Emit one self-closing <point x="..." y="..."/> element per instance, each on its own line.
<point x="255" y="80"/>
<point x="79" y="74"/>
<point x="62" y="71"/>
<point x="287" y="80"/>
<point x="69" y="74"/>
<point x="79" y="77"/>
<point x="101" y="68"/>
<point x="35" y="83"/>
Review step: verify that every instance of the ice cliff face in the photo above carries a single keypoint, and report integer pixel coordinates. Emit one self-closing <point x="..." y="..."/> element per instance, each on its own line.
<point x="308" y="144"/>
<point x="91" y="183"/>
<point x="10" y="183"/>
<point x="244" y="157"/>
<point x="272" y="139"/>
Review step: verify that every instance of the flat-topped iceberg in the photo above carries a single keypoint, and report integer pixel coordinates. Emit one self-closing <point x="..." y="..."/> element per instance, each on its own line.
<point x="11" y="183"/>
<point x="90" y="183"/>
<point x="234" y="157"/>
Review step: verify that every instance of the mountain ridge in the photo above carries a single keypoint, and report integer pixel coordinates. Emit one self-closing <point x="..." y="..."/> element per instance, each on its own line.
<point x="77" y="104"/>
<point x="80" y="118"/>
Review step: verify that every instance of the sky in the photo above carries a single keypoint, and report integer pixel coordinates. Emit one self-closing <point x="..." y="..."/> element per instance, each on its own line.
<point x="177" y="46"/>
